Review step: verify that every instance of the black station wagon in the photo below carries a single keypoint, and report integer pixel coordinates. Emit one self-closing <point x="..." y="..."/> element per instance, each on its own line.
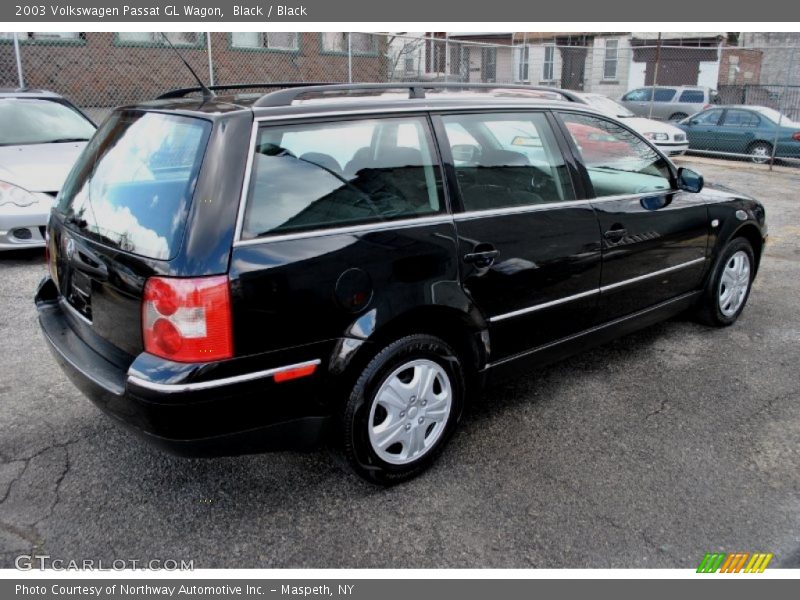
<point x="244" y="272"/>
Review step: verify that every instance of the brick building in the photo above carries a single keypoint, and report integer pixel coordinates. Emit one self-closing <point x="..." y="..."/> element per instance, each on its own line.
<point x="110" y="69"/>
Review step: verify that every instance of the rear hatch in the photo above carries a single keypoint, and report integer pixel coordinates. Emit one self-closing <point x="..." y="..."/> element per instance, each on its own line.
<point x="120" y="218"/>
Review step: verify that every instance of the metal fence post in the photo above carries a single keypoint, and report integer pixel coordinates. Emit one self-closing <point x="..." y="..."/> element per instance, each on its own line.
<point x="781" y="108"/>
<point x="349" y="57"/>
<point x="446" y="56"/>
<point x="19" y="61"/>
<point x="210" y="60"/>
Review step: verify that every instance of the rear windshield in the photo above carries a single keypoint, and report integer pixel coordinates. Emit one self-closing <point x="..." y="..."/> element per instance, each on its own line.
<point x="132" y="186"/>
<point x="38" y="121"/>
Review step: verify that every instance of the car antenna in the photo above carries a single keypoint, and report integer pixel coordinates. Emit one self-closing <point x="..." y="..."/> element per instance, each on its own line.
<point x="207" y="93"/>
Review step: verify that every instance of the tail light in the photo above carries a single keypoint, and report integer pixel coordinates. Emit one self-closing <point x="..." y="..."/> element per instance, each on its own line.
<point x="188" y="320"/>
<point x="707" y="106"/>
<point x="796" y="136"/>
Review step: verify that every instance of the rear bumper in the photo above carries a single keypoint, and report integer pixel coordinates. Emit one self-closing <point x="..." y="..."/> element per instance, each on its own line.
<point x="172" y="406"/>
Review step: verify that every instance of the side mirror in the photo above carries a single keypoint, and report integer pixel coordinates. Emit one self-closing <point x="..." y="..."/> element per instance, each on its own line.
<point x="689" y="181"/>
<point x="465" y="153"/>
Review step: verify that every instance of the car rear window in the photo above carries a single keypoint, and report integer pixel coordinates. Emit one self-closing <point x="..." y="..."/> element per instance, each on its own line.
<point x="324" y="175"/>
<point x="132" y="186"/>
<point x="692" y="97"/>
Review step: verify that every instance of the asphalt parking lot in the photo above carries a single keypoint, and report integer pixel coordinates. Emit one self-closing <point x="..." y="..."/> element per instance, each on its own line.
<point x="647" y="452"/>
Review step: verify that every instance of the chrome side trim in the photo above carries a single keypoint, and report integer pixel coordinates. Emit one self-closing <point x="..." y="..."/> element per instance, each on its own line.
<point x="204" y="385"/>
<point x="366" y="227"/>
<point x="237" y="234"/>
<point x="536" y="307"/>
<point x="589" y="331"/>
<point x="516" y="210"/>
<point x="599" y="290"/>
<point x="619" y="284"/>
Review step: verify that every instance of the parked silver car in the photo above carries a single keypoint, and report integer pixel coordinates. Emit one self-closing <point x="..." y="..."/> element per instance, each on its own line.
<point x="669" y="103"/>
<point x="41" y="136"/>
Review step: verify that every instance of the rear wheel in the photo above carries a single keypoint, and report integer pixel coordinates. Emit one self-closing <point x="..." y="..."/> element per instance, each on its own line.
<point x="760" y="152"/>
<point x="678" y="116"/>
<point x="403" y="409"/>
<point x="728" y="287"/>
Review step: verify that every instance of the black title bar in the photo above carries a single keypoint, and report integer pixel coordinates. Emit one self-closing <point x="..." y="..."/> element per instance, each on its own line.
<point x="361" y="11"/>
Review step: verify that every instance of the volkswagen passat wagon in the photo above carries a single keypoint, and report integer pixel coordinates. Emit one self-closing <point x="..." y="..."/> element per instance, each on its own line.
<point x="239" y="273"/>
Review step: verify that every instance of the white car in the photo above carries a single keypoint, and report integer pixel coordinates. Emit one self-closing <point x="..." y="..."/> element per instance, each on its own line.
<point x="669" y="139"/>
<point x="41" y="136"/>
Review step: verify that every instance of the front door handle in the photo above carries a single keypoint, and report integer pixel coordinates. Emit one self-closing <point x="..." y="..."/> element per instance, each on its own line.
<point x="616" y="233"/>
<point x="482" y="257"/>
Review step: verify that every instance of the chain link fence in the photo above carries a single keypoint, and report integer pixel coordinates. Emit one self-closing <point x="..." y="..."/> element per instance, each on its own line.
<point x="748" y="106"/>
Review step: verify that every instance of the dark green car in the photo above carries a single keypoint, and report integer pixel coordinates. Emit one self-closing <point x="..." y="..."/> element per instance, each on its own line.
<point x="745" y="130"/>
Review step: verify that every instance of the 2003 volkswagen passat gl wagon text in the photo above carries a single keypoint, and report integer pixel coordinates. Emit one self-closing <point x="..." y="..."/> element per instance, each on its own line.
<point x="237" y="273"/>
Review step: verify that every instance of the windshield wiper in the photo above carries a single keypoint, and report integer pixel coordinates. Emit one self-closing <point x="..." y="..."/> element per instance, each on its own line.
<point x="65" y="140"/>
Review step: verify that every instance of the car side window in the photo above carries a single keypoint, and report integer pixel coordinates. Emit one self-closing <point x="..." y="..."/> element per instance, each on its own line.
<point x="741" y="118"/>
<point x="664" y="95"/>
<point x="507" y="159"/>
<point x="618" y="161"/>
<point x="323" y="175"/>
<point x="710" y="117"/>
<point x="640" y="95"/>
<point x="692" y="97"/>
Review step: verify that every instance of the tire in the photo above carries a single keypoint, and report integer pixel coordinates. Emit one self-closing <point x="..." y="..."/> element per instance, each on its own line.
<point x="678" y="116"/>
<point x="760" y="152"/>
<point x="389" y="433"/>
<point x="728" y="286"/>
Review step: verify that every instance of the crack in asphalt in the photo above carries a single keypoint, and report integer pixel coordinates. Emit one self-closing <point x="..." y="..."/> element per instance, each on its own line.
<point x="662" y="406"/>
<point x="59" y="480"/>
<point x="600" y="515"/>
<point x="32" y="535"/>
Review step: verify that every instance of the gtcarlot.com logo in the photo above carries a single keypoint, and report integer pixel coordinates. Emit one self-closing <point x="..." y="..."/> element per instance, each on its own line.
<point x="737" y="562"/>
<point x="44" y="562"/>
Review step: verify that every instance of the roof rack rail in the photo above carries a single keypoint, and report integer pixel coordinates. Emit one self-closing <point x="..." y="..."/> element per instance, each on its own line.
<point x="183" y="92"/>
<point x="416" y="90"/>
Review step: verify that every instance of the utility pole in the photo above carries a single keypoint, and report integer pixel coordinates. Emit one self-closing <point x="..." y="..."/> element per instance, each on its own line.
<point x="210" y="61"/>
<point x="655" y="75"/>
<point x="19" y="61"/>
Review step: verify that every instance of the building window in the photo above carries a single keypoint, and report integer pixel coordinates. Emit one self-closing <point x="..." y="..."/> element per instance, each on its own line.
<point x="55" y="36"/>
<point x="335" y="41"/>
<point x="611" y="59"/>
<point x="548" y="65"/>
<point x="155" y="38"/>
<point x="522" y="55"/>
<point x="272" y="40"/>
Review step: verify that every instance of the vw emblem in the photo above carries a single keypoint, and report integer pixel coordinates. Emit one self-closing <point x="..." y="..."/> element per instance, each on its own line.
<point x="70" y="247"/>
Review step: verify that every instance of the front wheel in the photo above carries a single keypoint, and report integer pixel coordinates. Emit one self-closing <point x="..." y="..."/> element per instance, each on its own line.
<point x="403" y="409"/>
<point x="760" y="152"/>
<point x="729" y="285"/>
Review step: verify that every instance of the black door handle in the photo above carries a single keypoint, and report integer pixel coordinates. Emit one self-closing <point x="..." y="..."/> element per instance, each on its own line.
<point x="616" y="233"/>
<point x="482" y="258"/>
